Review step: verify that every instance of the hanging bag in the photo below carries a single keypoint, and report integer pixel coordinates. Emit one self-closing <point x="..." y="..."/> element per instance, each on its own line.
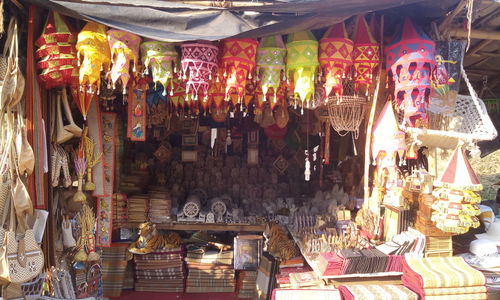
<point x="25" y="154"/>
<point x="63" y="135"/>
<point x="72" y="127"/>
<point x="5" y="196"/>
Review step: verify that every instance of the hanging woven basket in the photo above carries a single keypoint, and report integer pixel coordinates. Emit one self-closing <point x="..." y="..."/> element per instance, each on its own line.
<point x="347" y="114"/>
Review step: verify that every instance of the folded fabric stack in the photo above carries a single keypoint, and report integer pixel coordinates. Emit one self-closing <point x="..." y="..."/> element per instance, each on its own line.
<point x="489" y="265"/>
<point x="138" y="208"/>
<point x="128" y="281"/>
<point x="114" y="264"/>
<point x="283" y="278"/>
<point x="160" y="271"/>
<point x="300" y="294"/>
<point x="355" y="261"/>
<point x="305" y="279"/>
<point x="443" y="278"/>
<point x="210" y="272"/>
<point x="376" y="291"/>
<point x="160" y="206"/>
<point x="246" y="284"/>
<point x="120" y="214"/>
<point x="134" y="183"/>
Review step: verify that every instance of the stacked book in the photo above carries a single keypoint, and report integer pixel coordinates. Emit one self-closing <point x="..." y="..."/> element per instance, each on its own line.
<point x="138" y="208"/>
<point x="114" y="264"/>
<point x="210" y="272"/>
<point x="160" y="271"/>
<point x="246" y="284"/>
<point x="305" y="280"/>
<point x="160" y="206"/>
<point x="283" y="278"/>
<point x="120" y="214"/>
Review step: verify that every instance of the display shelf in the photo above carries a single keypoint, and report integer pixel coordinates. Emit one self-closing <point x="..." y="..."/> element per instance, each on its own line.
<point x="314" y="266"/>
<point x="205" y="226"/>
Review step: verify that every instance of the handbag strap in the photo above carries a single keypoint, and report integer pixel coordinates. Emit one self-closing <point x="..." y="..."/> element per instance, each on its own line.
<point x="6" y="208"/>
<point x="10" y="34"/>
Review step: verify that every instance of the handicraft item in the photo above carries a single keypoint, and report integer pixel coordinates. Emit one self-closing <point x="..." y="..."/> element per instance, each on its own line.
<point x="387" y="138"/>
<point x="124" y="49"/>
<point x="199" y="63"/>
<point x="238" y="62"/>
<point x="161" y="58"/>
<point x="335" y="57"/>
<point x="410" y="59"/>
<point x="136" y="127"/>
<point x="366" y="55"/>
<point x="270" y="64"/>
<point x="302" y="63"/>
<point x="95" y="134"/>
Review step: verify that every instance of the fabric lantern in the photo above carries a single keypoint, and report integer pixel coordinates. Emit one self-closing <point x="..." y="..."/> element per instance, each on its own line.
<point x="238" y="62"/>
<point x="216" y="93"/>
<point x="56" y="53"/>
<point x="161" y="57"/>
<point x="270" y="63"/>
<point x="94" y="55"/>
<point x="178" y="93"/>
<point x="365" y="56"/>
<point x="199" y="62"/>
<point x="410" y="59"/>
<point x="124" y="48"/>
<point x="459" y="174"/>
<point x="335" y="57"/>
<point x="387" y="138"/>
<point x="302" y="63"/>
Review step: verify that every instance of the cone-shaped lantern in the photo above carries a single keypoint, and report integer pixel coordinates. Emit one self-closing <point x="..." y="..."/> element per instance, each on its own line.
<point x="387" y="138"/>
<point x="161" y="58"/>
<point x="459" y="174"/>
<point x="366" y="55"/>
<point x="124" y="49"/>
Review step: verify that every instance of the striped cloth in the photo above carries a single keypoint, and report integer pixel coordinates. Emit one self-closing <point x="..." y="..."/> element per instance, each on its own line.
<point x="480" y="296"/>
<point x="375" y="291"/>
<point x="302" y="294"/>
<point x="446" y="291"/>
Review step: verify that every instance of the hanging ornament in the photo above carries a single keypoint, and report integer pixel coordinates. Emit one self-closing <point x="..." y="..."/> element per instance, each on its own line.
<point x="302" y="63"/>
<point x="366" y="55"/>
<point x="387" y="138"/>
<point x="271" y="64"/>
<point x="238" y="62"/>
<point x="199" y="64"/>
<point x="124" y="48"/>
<point x="335" y="57"/>
<point x="410" y="61"/>
<point x="216" y="94"/>
<point x="178" y="93"/>
<point x="161" y="58"/>
<point x="56" y="53"/>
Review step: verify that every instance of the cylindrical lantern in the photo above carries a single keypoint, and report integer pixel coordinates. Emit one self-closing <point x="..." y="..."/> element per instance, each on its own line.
<point x="366" y="55"/>
<point x="124" y="49"/>
<point x="199" y="64"/>
<point x="161" y="58"/>
<point x="270" y="63"/>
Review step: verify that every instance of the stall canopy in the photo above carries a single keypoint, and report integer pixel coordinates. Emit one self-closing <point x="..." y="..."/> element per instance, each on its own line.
<point x="214" y="20"/>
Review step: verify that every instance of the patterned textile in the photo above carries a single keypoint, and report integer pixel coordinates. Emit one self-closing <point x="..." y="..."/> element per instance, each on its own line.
<point x="376" y="291"/>
<point x="136" y="125"/>
<point x="447" y="291"/>
<point x="178" y="93"/>
<point x="441" y="272"/>
<point x="199" y="63"/>
<point x="161" y="58"/>
<point x="366" y="55"/>
<point x="387" y="137"/>
<point x="238" y="62"/>
<point x="479" y="296"/>
<point x="271" y="62"/>
<point x="124" y="48"/>
<point x="302" y="63"/>
<point x="411" y="60"/>
<point x="300" y="294"/>
<point x="335" y="57"/>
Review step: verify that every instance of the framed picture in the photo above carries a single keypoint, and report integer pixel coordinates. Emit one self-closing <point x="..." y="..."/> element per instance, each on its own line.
<point x="247" y="252"/>
<point x="189" y="156"/>
<point x="190" y="126"/>
<point x="189" y="140"/>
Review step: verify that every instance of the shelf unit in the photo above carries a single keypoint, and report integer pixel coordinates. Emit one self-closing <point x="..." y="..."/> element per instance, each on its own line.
<point x="204" y="226"/>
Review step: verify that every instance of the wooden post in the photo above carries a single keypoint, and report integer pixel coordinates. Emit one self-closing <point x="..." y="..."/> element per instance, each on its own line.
<point x="366" y="176"/>
<point x="475" y="34"/>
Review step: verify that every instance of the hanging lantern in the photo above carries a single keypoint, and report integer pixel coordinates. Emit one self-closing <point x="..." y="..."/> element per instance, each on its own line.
<point x="94" y="55"/>
<point x="56" y="53"/>
<point x="366" y="55"/>
<point x="217" y="92"/>
<point x="178" y="93"/>
<point x="238" y="62"/>
<point x="335" y="57"/>
<point x="199" y="63"/>
<point x="387" y="138"/>
<point x="302" y="63"/>
<point x="124" y="48"/>
<point x="271" y="63"/>
<point x="161" y="58"/>
<point x="410" y="59"/>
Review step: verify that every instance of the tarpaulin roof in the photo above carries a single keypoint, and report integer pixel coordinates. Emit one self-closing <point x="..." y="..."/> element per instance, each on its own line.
<point x="177" y="21"/>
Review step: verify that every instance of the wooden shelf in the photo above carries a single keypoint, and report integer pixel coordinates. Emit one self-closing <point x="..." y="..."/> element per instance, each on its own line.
<point x="204" y="227"/>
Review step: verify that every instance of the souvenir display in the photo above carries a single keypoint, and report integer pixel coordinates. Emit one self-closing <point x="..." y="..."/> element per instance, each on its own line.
<point x="124" y="49"/>
<point x="150" y="240"/>
<point x="302" y="64"/>
<point x="160" y="271"/>
<point x="411" y="60"/>
<point x="161" y="58"/>
<point x="199" y="63"/>
<point x="335" y="58"/>
<point x="365" y="56"/>
<point x="271" y="55"/>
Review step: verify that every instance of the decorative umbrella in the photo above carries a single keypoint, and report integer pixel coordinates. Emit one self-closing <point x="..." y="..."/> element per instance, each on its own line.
<point x="270" y="63"/>
<point x="124" y="48"/>
<point x="410" y="59"/>
<point x="161" y="57"/>
<point x="56" y="53"/>
<point x="199" y="62"/>
<point x="238" y="62"/>
<point x="366" y="55"/>
<point x="335" y="57"/>
<point x="302" y="63"/>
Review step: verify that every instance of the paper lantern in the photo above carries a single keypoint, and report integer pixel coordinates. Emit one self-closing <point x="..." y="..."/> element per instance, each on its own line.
<point x="124" y="49"/>
<point x="199" y="63"/>
<point x="410" y="59"/>
<point x="161" y="58"/>
<point x="94" y="55"/>
<point x="302" y="63"/>
<point x="270" y="63"/>
<point x="56" y="53"/>
<point x="365" y="56"/>
<point x="387" y="138"/>
<point x="335" y="57"/>
<point x="238" y="62"/>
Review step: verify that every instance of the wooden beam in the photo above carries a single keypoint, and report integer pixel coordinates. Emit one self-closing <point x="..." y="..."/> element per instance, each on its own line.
<point x="479" y="46"/>
<point x="449" y="18"/>
<point x="489" y="54"/>
<point x="475" y="34"/>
